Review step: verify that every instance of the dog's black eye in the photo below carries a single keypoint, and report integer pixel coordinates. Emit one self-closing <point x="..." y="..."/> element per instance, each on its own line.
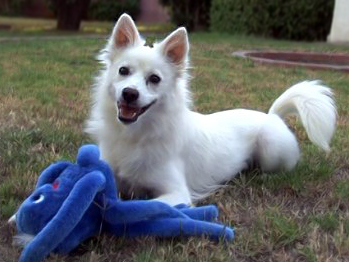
<point x="124" y="71"/>
<point x="154" y="79"/>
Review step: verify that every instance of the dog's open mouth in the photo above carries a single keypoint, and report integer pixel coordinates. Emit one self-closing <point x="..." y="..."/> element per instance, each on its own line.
<point x="129" y="114"/>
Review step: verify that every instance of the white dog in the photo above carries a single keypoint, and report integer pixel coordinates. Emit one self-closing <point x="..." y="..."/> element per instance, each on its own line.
<point x="142" y="121"/>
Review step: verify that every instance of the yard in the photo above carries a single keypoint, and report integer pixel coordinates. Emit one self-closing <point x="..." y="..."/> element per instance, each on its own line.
<point x="298" y="216"/>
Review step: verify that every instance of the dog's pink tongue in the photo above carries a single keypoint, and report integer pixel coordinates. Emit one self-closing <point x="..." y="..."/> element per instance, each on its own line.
<point x="128" y="112"/>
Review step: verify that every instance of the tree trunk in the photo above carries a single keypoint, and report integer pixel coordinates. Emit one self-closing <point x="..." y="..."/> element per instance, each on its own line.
<point x="70" y="13"/>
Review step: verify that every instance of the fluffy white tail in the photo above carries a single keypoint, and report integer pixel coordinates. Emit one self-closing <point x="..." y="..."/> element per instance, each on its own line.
<point x="315" y="106"/>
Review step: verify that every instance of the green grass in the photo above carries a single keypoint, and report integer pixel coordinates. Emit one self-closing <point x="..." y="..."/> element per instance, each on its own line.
<point x="302" y="215"/>
<point x="342" y="190"/>
<point x="328" y="222"/>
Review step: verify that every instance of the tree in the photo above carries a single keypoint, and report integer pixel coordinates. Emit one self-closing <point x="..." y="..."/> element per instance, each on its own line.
<point x="193" y="14"/>
<point x="70" y="13"/>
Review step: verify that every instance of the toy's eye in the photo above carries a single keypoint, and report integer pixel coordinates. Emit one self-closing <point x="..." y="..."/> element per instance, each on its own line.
<point x="55" y="185"/>
<point x="38" y="198"/>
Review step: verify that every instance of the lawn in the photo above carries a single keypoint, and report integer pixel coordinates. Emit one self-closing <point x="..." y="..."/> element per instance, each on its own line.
<point x="298" y="216"/>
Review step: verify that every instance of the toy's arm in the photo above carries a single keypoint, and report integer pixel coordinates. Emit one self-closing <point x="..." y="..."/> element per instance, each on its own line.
<point x="173" y="227"/>
<point x="68" y="216"/>
<point x="139" y="210"/>
<point x="51" y="173"/>
<point x="83" y="231"/>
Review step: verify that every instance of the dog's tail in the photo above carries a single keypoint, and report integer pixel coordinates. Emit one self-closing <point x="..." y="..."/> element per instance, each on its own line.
<point x="314" y="104"/>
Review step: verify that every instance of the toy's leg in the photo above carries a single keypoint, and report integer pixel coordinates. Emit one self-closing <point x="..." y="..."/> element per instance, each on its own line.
<point x="139" y="210"/>
<point x="205" y="213"/>
<point x="173" y="228"/>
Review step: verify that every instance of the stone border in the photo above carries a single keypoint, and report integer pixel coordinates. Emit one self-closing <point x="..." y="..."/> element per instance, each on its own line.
<point x="339" y="62"/>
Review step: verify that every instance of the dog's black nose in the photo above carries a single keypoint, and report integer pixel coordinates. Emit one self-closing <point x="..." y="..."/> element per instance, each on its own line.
<point x="130" y="94"/>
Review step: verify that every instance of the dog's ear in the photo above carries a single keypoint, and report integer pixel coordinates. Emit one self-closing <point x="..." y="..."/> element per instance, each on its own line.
<point x="176" y="47"/>
<point x="125" y="33"/>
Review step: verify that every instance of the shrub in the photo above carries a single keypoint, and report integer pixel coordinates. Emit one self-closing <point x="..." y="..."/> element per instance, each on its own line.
<point x="287" y="19"/>
<point x="193" y="14"/>
<point x="112" y="9"/>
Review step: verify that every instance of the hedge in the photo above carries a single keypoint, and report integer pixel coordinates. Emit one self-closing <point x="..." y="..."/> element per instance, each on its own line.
<point x="286" y="19"/>
<point x="110" y="10"/>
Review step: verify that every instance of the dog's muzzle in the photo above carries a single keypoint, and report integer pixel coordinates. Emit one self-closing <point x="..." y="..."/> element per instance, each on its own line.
<point x="129" y="113"/>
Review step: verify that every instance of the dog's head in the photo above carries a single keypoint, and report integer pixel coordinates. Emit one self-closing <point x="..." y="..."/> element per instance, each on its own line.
<point x="139" y="76"/>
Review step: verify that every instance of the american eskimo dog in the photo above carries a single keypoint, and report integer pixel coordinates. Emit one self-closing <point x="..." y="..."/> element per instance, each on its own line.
<point x="143" y="124"/>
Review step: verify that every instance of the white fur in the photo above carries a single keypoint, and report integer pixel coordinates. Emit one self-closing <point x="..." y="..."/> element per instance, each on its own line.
<point x="22" y="240"/>
<point x="12" y="220"/>
<point x="181" y="155"/>
<point x="313" y="103"/>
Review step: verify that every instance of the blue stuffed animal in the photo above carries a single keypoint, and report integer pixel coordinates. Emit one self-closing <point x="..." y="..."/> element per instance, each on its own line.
<point x="73" y="202"/>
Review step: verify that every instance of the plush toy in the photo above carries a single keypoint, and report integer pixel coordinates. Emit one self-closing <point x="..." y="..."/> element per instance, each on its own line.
<point x="73" y="202"/>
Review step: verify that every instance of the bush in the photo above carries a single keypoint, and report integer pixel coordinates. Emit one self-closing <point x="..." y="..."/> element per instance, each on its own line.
<point x="193" y="14"/>
<point x="112" y="9"/>
<point x="287" y="19"/>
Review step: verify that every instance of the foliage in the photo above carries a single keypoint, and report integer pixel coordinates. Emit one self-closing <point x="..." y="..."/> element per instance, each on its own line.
<point x="12" y="7"/>
<point x="193" y="14"/>
<point x="291" y="19"/>
<point x="111" y="10"/>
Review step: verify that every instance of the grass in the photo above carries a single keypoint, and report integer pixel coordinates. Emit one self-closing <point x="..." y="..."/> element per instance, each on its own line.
<point x="302" y="215"/>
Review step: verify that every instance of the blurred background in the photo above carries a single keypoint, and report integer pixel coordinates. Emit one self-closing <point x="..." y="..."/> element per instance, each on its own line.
<point x="308" y="20"/>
